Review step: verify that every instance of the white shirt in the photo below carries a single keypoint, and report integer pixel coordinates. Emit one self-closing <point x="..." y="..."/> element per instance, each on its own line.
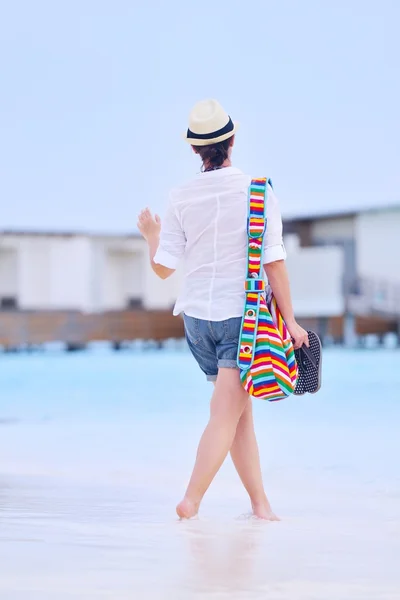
<point x="206" y="226"/>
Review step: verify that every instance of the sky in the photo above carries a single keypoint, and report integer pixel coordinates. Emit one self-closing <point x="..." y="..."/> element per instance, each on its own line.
<point x="95" y="97"/>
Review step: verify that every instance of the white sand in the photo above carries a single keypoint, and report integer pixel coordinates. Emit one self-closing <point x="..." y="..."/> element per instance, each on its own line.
<point x="90" y="473"/>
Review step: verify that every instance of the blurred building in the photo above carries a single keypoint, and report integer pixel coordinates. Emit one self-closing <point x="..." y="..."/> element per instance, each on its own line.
<point x="73" y="271"/>
<point x="345" y="262"/>
<point x="340" y="264"/>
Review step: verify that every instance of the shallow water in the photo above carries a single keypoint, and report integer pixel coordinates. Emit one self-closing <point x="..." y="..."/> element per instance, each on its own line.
<point x="96" y="448"/>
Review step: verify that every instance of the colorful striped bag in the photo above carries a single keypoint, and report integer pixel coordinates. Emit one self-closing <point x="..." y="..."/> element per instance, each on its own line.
<point x="268" y="368"/>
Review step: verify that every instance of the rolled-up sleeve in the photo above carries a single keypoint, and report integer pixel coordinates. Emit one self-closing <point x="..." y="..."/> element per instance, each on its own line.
<point x="172" y="240"/>
<point x="274" y="248"/>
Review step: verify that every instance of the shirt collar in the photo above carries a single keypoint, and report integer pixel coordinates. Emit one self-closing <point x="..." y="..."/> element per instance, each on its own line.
<point x="221" y="172"/>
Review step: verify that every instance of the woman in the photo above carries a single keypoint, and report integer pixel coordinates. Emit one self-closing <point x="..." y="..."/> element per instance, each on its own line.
<point x="206" y="226"/>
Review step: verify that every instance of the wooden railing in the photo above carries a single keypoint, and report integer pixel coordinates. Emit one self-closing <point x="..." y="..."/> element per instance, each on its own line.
<point x="77" y="329"/>
<point x="364" y="325"/>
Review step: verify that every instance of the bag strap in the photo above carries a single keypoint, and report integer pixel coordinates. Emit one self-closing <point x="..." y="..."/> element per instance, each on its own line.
<point x="256" y="226"/>
<point x="255" y="283"/>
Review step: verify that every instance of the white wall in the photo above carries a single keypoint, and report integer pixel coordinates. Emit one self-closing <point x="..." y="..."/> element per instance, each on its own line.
<point x="123" y="274"/>
<point x="54" y="272"/>
<point x="8" y="272"/>
<point x="70" y="273"/>
<point x="118" y="266"/>
<point x="315" y="279"/>
<point x="34" y="273"/>
<point x="124" y="270"/>
<point x="333" y="229"/>
<point x="81" y="272"/>
<point x="158" y="293"/>
<point x="378" y="245"/>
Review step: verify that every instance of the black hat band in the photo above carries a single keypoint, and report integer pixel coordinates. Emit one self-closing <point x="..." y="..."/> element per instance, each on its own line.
<point x="214" y="134"/>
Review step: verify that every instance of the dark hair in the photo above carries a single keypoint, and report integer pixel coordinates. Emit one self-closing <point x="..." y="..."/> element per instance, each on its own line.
<point x="214" y="155"/>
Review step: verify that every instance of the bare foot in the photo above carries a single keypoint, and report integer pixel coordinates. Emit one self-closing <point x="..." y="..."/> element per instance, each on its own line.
<point x="187" y="509"/>
<point x="263" y="510"/>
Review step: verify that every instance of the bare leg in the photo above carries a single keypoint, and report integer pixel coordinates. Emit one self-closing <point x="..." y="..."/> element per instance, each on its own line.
<point x="227" y="404"/>
<point x="246" y="458"/>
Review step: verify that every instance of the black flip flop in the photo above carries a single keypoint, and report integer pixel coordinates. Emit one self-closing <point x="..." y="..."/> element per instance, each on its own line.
<point x="309" y="361"/>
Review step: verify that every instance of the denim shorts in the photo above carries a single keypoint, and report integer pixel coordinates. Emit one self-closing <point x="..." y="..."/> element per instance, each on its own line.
<point x="214" y="344"/>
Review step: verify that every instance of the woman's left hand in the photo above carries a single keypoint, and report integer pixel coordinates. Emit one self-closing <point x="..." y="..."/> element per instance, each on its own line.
<point x="148" y="225"/>
<point x="298" y="335"/>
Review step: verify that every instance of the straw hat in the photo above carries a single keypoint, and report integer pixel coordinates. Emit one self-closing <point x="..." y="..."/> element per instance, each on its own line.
<point x="209" y="124"/>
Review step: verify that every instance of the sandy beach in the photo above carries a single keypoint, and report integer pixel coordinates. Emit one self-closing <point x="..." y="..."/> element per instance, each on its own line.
<point x="91" y="467"/>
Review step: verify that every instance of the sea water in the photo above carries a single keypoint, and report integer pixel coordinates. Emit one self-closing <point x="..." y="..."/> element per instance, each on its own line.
<point x="96" y="449"/>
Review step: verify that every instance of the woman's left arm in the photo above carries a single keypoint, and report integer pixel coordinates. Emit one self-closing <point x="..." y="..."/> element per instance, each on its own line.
<point x="275" y="268"/>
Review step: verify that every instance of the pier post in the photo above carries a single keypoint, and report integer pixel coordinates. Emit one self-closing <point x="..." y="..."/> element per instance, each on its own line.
<point x="349" y="331"/>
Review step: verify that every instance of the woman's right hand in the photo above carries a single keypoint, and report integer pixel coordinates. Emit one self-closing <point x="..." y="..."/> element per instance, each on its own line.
<point x="148" y="225"/>
<point x="298" y="335"/>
